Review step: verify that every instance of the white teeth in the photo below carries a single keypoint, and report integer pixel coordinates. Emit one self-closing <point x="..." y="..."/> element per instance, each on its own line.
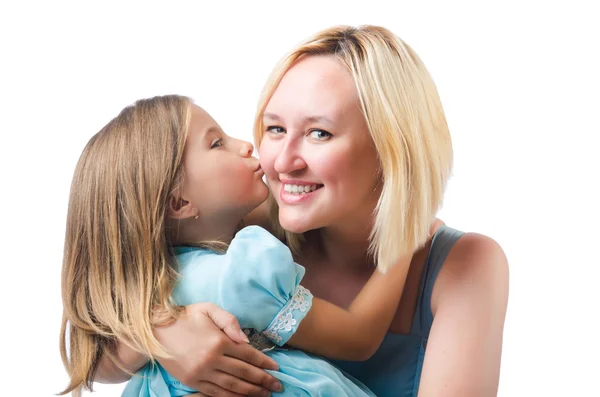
<point x="299" y="189"/>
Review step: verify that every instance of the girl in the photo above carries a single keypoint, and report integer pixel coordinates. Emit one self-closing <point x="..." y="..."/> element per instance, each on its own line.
<point x="156" y="200"/>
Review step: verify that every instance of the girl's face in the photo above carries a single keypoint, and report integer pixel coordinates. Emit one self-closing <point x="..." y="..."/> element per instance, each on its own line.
<point x="317" y="153"/>
<point x="221" y="179"/>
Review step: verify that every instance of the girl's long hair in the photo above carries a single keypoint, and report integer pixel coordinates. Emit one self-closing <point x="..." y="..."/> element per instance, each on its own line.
<point x="118" y="266"/>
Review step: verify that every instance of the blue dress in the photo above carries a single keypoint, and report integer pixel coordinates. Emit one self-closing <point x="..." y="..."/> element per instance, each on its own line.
<point x="258" y="282"/>
<point x="395" y="369"/>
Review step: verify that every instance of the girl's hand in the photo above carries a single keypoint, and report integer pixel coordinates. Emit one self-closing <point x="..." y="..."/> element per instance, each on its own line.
<point x="210" y="354"/>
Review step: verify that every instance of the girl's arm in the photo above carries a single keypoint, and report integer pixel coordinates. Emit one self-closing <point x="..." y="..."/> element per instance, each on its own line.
<point x="355" y="333"/>
<point x="469" y="303"/>
<point x="259" y="283"/>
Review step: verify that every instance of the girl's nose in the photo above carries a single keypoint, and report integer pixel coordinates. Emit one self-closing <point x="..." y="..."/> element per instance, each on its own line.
<point x="246" y="149"/>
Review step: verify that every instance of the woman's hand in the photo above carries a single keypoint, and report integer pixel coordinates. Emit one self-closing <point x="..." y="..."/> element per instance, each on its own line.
<point x="210" y="354"/>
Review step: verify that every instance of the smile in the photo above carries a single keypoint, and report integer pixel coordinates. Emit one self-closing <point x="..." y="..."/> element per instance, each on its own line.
<point x="300" y="189"/>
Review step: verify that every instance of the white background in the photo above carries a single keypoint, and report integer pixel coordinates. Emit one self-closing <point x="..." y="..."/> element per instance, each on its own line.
<point x="518" y="80"/>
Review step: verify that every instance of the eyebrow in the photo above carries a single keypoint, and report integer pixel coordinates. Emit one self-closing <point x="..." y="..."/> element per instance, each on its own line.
<point x="307" y="119"/>
<point x="210" y="130"/>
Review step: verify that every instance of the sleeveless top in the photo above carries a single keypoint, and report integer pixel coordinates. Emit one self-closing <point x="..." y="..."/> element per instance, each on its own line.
<point x="395" y="369"/>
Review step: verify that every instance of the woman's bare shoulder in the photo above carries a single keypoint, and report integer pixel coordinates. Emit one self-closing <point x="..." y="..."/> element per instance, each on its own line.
<point x="476" y="268"/>
<point x="469" y="303"/>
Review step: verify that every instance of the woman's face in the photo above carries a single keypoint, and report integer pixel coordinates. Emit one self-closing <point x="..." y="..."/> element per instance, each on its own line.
<point x="316" y="150"/>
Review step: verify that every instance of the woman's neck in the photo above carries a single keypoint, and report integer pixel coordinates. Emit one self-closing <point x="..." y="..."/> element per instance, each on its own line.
<point x="344" y="246"/>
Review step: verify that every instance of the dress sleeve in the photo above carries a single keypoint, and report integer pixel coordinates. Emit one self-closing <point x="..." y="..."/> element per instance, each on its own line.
<point x="260" y="285"/>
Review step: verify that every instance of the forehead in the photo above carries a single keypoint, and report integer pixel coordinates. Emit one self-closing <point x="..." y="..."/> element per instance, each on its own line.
<point x="200" y="119"/>
<point x="201" y="126"/>
<point x="200" y="123"/>
<point x="315" y="85"/>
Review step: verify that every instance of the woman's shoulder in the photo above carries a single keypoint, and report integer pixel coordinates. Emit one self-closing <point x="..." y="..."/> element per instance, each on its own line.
<point x="476" y="253"/>
<point x="476" y="268"/>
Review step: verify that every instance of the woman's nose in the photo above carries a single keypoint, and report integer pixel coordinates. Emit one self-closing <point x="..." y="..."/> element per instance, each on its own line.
<point x="289" y="160"/>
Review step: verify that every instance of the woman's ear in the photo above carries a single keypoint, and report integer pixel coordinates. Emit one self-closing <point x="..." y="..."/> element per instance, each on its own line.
<point x="179" y="208"/>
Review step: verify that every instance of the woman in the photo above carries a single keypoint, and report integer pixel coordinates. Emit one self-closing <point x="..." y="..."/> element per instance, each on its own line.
<point x="355" y="146"/>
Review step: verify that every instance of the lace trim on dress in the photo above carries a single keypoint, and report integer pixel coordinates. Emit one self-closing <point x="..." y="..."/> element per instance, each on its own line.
<point x="301" y="300"/>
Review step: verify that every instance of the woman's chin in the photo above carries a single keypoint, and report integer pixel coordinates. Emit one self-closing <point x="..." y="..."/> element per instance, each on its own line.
<point x="295" y="223"/>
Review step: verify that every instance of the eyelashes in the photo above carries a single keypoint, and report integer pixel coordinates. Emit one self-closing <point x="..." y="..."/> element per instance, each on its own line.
<point x="216" y="143"/>
<point x="320" y="135"/>
<point x="275" y="129"/>
<point x="315" y="134"/>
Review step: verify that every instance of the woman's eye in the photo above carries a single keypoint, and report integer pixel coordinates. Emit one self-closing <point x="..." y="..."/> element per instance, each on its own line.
<point x="276" y="129"/>
<point x="216" y="143"/>
<point x="319" y="135"/>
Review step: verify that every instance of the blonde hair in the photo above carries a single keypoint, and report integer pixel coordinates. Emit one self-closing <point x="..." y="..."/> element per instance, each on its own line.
<point x="118" y="265"/>
<point x="406" y="121"/>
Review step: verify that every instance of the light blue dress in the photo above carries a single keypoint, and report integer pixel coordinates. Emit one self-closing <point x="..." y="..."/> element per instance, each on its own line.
<point x="258" y="282"/>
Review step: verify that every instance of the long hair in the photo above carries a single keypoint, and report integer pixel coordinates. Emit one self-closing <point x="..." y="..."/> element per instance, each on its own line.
<point x="406" y="121"/>
<point x="118" y="265"/>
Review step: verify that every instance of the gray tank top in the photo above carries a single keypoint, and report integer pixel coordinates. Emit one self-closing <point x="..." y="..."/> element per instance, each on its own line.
<point x="395" y="369"/>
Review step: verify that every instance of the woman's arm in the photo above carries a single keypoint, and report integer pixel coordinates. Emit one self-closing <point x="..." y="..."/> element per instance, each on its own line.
<point x="469" y="304"/>
<point x="208" y="354"/>
<point x="109" y="372"/>
<point x="356" y="333"/>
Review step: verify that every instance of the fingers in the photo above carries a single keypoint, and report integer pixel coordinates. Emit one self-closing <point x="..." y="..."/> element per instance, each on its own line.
<point x="252" y="356"/>
<point x="235" y="385"/>
<point x="250" y="378"/>
<point x="219" y="364"/>
<point x="210" y="389"/>
<point x="225" y="321"/>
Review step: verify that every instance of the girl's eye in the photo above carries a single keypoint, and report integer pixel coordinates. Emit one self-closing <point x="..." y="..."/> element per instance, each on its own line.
<point x="276" y="129"/>
<point x="216" y="143"/>
<point x="320" y="135"/>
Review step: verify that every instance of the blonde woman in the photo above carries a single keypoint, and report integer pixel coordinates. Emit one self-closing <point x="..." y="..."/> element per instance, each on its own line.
<point x="356" y="150"/>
